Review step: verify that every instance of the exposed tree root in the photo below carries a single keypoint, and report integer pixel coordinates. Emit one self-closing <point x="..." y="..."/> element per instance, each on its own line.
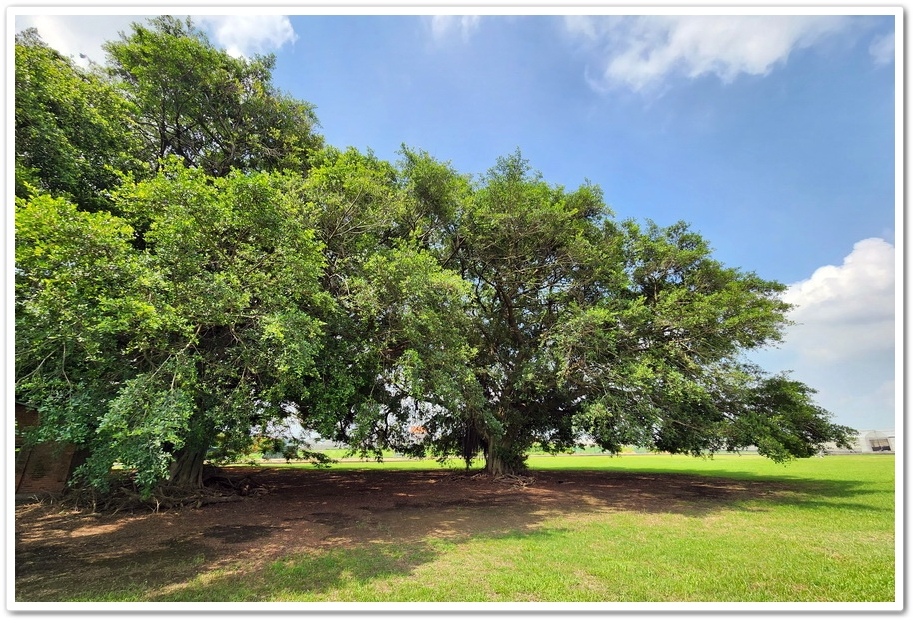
<point x="514" y="480"/>
<point x="124" y="495"/>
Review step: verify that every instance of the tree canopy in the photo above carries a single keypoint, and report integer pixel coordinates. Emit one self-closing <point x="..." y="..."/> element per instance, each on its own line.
<point x="213" y="110"/>
<point x="194" y="265"/>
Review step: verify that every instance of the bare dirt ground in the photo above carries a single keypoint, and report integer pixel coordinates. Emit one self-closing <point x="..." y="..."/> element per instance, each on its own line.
<point x="61" y="551"/>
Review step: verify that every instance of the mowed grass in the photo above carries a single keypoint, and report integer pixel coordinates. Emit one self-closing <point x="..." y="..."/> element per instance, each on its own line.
<point x="829" y="539"/>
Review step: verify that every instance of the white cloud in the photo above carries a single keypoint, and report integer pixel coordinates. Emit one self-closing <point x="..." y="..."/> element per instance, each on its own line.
<point x="845" y="311"/>
<point x="640" y="52"/>
<point x="882" y="49"/>
<point x="79" y="37"/>
<point x="843" y="343"/>
<point x="445" y="26"/>
<point x="247" y="35"/>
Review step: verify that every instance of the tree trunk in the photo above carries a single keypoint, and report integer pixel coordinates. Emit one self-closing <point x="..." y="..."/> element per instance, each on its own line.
<point x="495" y="466"/>
<point x="500" y="461"/>
<point x="188" y="469"/>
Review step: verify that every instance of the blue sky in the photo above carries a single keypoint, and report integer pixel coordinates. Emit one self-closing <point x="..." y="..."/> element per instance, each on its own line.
<point x="774" y="136"/>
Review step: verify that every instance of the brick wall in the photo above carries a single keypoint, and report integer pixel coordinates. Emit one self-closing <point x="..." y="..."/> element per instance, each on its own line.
<point x="45" y="467"/>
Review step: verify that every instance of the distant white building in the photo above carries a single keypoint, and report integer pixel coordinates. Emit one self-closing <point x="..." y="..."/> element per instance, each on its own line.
<point x="868" y="442"/>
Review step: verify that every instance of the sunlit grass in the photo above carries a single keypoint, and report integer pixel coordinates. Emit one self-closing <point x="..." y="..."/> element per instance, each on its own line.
<point x="827" y="536"/>
<point x="834" y="541"/>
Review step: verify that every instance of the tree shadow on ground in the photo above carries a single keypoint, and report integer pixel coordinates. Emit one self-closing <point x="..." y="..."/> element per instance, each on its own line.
<point x="80" y="572"/>
<point x="318" y="530"/>
<point x="649" y="490"/>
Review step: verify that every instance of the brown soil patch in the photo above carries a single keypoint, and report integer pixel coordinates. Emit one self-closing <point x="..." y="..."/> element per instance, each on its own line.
<point x="60" y="551"/>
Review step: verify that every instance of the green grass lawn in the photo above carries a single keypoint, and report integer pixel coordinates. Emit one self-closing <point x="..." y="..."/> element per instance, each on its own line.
<point x="830" y="539"/>
<point x="817" y="530"/>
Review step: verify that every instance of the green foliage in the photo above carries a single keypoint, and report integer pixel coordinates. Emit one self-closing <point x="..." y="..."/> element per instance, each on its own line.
<point x="434" y="196"/>
<point x="214" y="111"/>
<point x="144" y="425"/>
<point x="531" y="253"/>
<point x="413" y="311"/>
<point x="207" y="323"/>
<point x="74" y="134"/>
<point x="783" y="422"/>
<point x="75" y="280"/>
<point x="245" y="273"/>
<point x="396" y="347"/>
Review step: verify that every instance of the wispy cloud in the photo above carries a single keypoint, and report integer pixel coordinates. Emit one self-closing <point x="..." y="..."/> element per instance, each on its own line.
<point x="845" y="311"/>
<point x="882" y="49"/>
<point x="444" y="27"/>
<point x="641" y="52"/>
<point x="247" y="35"/>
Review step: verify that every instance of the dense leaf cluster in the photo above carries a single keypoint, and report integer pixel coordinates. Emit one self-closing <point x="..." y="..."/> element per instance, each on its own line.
<point x="194" y="267"/>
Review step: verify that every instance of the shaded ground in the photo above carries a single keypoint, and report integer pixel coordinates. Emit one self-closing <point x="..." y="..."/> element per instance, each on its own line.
<point x="61" y="552"/>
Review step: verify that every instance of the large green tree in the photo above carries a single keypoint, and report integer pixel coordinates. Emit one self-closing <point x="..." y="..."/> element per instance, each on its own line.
<point x="214" y="306"/>
<point x="192" y="264"/>
<point x="584" y="328"/>
<point x="534" y="255"/>
<point x="129" y="382"/>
